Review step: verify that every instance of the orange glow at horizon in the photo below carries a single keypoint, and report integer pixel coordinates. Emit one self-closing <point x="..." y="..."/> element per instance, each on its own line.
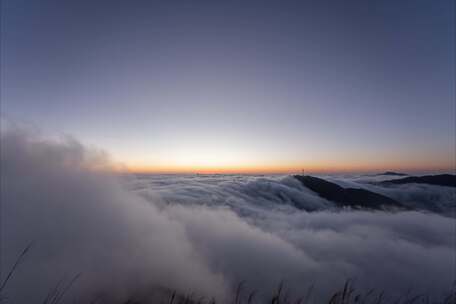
<point x="237" y="161"/>
<point x="289" y="169"/>
<point x="201" y="153"/>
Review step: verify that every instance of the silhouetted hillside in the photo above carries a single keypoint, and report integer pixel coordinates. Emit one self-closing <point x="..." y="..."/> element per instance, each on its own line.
<point x="440" y="180"/>
<point x="347" y="196"/>
<point x="391" y="173"/>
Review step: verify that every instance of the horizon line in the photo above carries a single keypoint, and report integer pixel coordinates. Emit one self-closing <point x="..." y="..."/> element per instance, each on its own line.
<point x="259" y="171"/>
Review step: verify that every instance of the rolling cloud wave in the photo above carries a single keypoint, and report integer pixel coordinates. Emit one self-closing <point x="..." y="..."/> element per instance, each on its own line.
<point x="129" y="235"/>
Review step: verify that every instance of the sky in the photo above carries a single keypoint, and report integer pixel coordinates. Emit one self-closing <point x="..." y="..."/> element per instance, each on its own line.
<point x="237" y="86"/>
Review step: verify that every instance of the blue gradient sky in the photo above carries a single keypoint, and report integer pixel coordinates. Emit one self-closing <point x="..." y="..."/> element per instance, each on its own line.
<point x="176" y="86"/>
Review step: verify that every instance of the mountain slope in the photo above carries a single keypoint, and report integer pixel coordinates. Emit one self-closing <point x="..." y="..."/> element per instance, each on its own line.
<point x="448" y="180"/>
<point x="347" y="197"/>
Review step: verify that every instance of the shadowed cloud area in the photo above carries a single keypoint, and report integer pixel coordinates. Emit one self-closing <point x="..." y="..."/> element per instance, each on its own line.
<point x="130" y="235"/>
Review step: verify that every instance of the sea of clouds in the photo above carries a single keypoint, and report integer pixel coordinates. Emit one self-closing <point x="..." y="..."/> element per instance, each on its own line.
<point x="130" y="235"/>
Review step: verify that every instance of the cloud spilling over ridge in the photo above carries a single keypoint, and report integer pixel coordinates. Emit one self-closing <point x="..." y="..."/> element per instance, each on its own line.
<point x="417" y="196"/>
<point x="209" y="238"/>
<point x="245" y="193"/>
<point x="395" y="251"/>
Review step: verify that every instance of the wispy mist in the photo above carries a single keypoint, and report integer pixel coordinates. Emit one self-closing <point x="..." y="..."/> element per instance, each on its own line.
<point x="127" y="237"/>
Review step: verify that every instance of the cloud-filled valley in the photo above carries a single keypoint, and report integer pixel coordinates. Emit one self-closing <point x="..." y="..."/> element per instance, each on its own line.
<point x="130" y="234"/>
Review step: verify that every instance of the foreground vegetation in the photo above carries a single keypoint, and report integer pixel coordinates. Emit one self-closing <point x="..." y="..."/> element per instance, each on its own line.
<point x="346" y="295"/>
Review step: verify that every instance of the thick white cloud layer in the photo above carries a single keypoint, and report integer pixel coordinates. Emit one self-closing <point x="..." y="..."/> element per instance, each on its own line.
<point x="202" y="234"/>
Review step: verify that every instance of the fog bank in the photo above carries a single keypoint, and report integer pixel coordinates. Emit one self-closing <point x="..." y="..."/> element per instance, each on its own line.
<point x="130" y="237"/>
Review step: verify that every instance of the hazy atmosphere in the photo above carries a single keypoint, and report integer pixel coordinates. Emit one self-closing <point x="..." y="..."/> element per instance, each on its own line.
<point x="228" y="86"/>
<point x="227" y="152"/>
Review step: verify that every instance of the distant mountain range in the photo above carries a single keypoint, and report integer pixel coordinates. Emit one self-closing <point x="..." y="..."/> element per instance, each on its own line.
<point x="391" y="173"/>
<point x="448" y="180"/>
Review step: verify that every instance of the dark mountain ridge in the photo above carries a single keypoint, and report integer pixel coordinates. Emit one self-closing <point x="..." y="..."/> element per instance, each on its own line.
<point x="348" y="197"/>
<point x="391" y="173"/>
<point x="448" y="180"/>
